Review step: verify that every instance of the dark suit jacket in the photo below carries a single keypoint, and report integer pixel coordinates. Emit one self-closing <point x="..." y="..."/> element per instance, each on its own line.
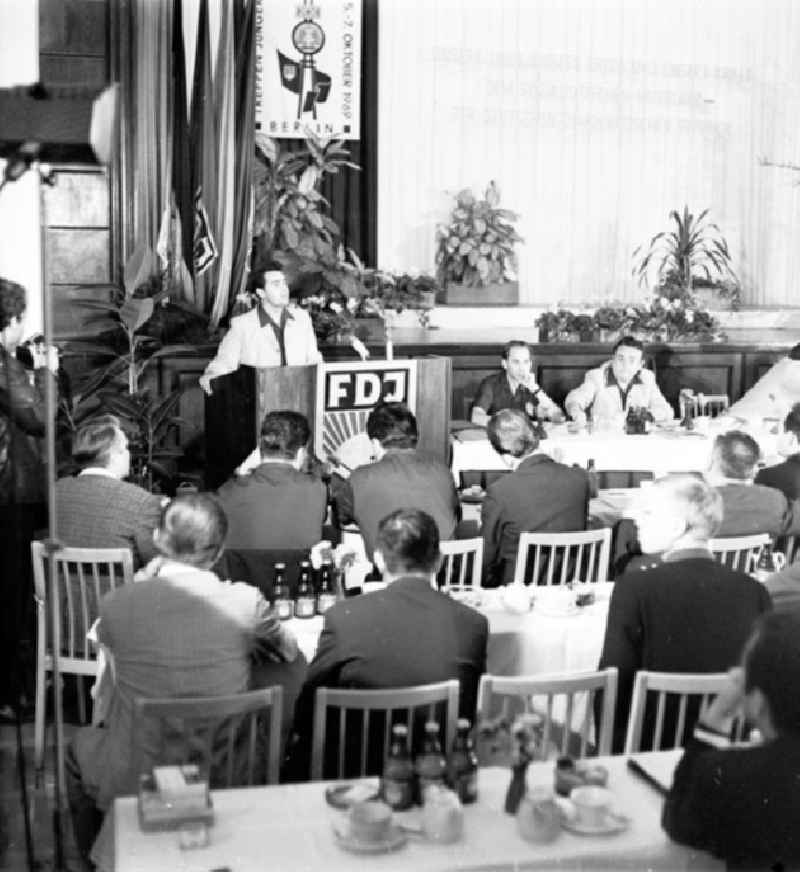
<point x="754" y="508"/>
<point x="741" y="804"/>
<point x="98" y="511"/>
<point x="404" y="635"/>
<point x="783" y="476"/>
<point x="401" y="479"/>
<point x="688" y="614"/>
<point x="274" y="506"/>
<point x="540" y="495"/>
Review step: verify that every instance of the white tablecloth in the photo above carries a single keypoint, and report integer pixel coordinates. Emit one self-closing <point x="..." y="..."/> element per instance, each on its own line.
<point x="289" y="828"/>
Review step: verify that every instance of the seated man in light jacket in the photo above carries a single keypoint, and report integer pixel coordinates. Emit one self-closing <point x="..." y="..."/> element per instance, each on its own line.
<point x="618" y="385"/>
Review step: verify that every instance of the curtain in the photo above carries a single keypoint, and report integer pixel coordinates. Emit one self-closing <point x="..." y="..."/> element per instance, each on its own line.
<point x="596" y="119"/>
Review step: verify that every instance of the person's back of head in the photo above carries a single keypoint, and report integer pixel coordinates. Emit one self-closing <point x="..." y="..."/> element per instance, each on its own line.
<point x="192" y="530"/>
<point x="735" y="455"/>
<point x="12" y="302"/>
<point x="102" y="443"/>
<point x="511" y="432"/>
<point x="393" y="426"/>
<point x="283" y="435"/>
<point x="772" y="666"/>
<point x="407" y="544"/>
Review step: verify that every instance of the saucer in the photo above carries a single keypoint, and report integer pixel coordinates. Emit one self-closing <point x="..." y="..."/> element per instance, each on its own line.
<point x="344" y="839"/>
<point x="613" y="823"/>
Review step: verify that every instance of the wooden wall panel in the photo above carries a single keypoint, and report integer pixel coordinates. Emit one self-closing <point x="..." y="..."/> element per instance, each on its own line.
<point x="78" y="255"/>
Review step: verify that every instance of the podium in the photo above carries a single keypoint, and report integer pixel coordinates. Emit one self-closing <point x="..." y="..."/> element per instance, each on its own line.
<point x="335" y="397"/>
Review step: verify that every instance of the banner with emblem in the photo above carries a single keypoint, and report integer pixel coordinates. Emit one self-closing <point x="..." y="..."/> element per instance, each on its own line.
<point x="308" y="68"/>
<point x="347" y="391"/>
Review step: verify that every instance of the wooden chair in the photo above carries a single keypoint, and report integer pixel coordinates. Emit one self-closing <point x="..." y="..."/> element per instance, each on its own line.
<point x="570" y="694"/>
<point x="84" y="576"/>
<point x="739" y="552"/>
<point x="713" y="405"/>
<point x="622" y="478"/>
<point x="236" y="740"/>
<point x="366" y="733"/>
<point x="481" y="477"/>
<point x="462" y="565"/>
<point x="560" y="558"/>
<point x="672" y="712"/>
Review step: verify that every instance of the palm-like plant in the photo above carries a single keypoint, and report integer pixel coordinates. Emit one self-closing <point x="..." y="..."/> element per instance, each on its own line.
<point x="694" y="253"/>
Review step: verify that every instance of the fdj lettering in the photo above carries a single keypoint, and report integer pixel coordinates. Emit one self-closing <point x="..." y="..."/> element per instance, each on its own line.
<point x="362" y="390"/>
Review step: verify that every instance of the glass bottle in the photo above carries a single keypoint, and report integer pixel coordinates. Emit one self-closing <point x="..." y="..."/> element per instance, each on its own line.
<point x="463" y="764"/>
<point x="591" y="474"/>
<point x="397" y="783"/>
<point x="327" y="595"/>
<point x="305" y="605"/>
<point x="282" y="598"/>
<point x="430" y="766"/>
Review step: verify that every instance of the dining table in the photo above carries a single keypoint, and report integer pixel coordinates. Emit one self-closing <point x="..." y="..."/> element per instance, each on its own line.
<point x="293" y="828"/>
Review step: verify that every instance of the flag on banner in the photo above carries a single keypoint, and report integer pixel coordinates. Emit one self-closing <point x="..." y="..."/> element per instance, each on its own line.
<point x="321" y="87"/>
<point x="205" y="249"/>
<point x="181" y="156"/>
<point x="290" y="73"/>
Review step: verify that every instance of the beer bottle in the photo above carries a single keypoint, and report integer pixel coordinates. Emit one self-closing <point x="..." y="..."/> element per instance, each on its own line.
<point x="463" y="764"/>
<point x="327" y="596"/>
<point x="282" y="598"/>
<point x="591" y="474"/>
<point x="306" y="603"/>
<point x="430" y="765"/>
<point x="397" y="783"/>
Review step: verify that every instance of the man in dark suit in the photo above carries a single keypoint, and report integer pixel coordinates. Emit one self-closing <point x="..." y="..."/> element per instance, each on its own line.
<point x="786" y="476"/>
<point x="743" y="805"/>
<point x="97" y="508"/>
<point x="686" y="613"/>
<point x="402" y="478"/>
<point x="539" y="495"/>
<point x="407" y="634"/>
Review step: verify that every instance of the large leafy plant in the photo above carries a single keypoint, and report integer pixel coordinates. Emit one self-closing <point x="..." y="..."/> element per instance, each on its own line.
<point x="476" y="247"/>
<point x="692" y="255"/>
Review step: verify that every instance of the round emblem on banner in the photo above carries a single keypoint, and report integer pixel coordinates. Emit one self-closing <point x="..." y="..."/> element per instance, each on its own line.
<point x="308" y="37"/>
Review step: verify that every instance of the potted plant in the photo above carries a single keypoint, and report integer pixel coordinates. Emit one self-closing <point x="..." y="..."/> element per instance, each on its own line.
<point x="609" y="321"/>
<point x="689" y="261"/>
<point x="475" y="257"/>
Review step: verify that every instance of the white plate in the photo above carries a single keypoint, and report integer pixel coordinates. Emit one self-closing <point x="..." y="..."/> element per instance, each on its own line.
<point x="614" y="823"/>
<point x="396" y="839"/>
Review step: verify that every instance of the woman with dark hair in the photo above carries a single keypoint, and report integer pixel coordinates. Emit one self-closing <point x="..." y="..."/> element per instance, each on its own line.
<point x="22" y="482"/>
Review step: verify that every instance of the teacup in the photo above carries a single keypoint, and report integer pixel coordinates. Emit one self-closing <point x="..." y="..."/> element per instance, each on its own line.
<point x="442" y="815"/>
<point x="592" y="804"/>
<point x="538" y="816"/>
<point x="516" y="598"/>
<point x="370" y="821"/>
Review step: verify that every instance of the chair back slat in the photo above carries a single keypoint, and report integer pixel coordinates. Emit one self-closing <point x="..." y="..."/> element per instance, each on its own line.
<point x="365" y="742"/>
<point x="564" y="701"/>
<point x="580" y="556"/>
<point x="740" y="553"/>
<point x="463" y="564"/>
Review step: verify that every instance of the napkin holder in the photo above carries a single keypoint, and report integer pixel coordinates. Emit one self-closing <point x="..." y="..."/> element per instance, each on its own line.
<point x="173" y="796"/>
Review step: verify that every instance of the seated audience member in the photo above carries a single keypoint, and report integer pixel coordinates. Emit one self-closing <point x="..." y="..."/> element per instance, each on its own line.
<point x="784" y="588"/>
<point x="774" y="394"/>
<point x="276" y="505"/>
<point x="747" y="507"/>
<point x="179" y="633"/>
<point x="514" y="388"/>
<point x="97" y="508"/>
<point x="618" y="385"/>
<point x="743" y="804"/>
<point x="408" y="633"/>
<point x="402" y="477"/>
<point x="786" y="476"/>
<point x="540" y="495"/>
<point x="687" y="614"/>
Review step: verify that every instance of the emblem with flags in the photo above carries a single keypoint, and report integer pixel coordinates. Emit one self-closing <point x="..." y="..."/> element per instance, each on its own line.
<point x="320" y="88"/>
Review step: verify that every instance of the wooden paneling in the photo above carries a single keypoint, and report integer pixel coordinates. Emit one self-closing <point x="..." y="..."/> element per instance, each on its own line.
<point x="433" y="392"/>
<point x="65" y="69"/>
<point x="76" y="27"/>
<point x="78" y="255"/>
<point x="79" y="198"/>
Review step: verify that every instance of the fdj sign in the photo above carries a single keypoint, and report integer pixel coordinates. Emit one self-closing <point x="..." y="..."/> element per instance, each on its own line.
<point x="362" y="389"/>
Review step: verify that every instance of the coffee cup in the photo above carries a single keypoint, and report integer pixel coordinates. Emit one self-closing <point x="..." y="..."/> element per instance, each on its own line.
<point x="370" y="821"/>
<point x="592" y="804"/>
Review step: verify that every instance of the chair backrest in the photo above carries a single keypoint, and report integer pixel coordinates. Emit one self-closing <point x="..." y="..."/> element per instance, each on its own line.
<point x="462" y="564"/>
<point x="236" y="739"/>
<point x="481" y="477"/>
<point x="354" y="740"/>
<point x="666" y="705"/>
<point x="608" y="479"/>
<point x="713" y="405"/>
<point x="739" y="552"/>
<point x="565" y="701"/>
<point x="83" y="576"/>
<point x="560" y="558"/>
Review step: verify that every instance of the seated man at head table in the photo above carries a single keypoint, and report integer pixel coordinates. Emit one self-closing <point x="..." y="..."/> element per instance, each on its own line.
<point x="273" y="333"/>
<point x="514" y="388"/>
<point x="785" y="476"/>
<point x="539" y="495"/>
<point x="406" y="634"/>
<point x="97" y="508"/>
<point x="177" y="632"/>
<point x="618" y="385"/>
<point x="743" y="804"/>
<point x="773" y="395"/>
<point x="689" y="613"/>
<point x="402" y="476"/>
